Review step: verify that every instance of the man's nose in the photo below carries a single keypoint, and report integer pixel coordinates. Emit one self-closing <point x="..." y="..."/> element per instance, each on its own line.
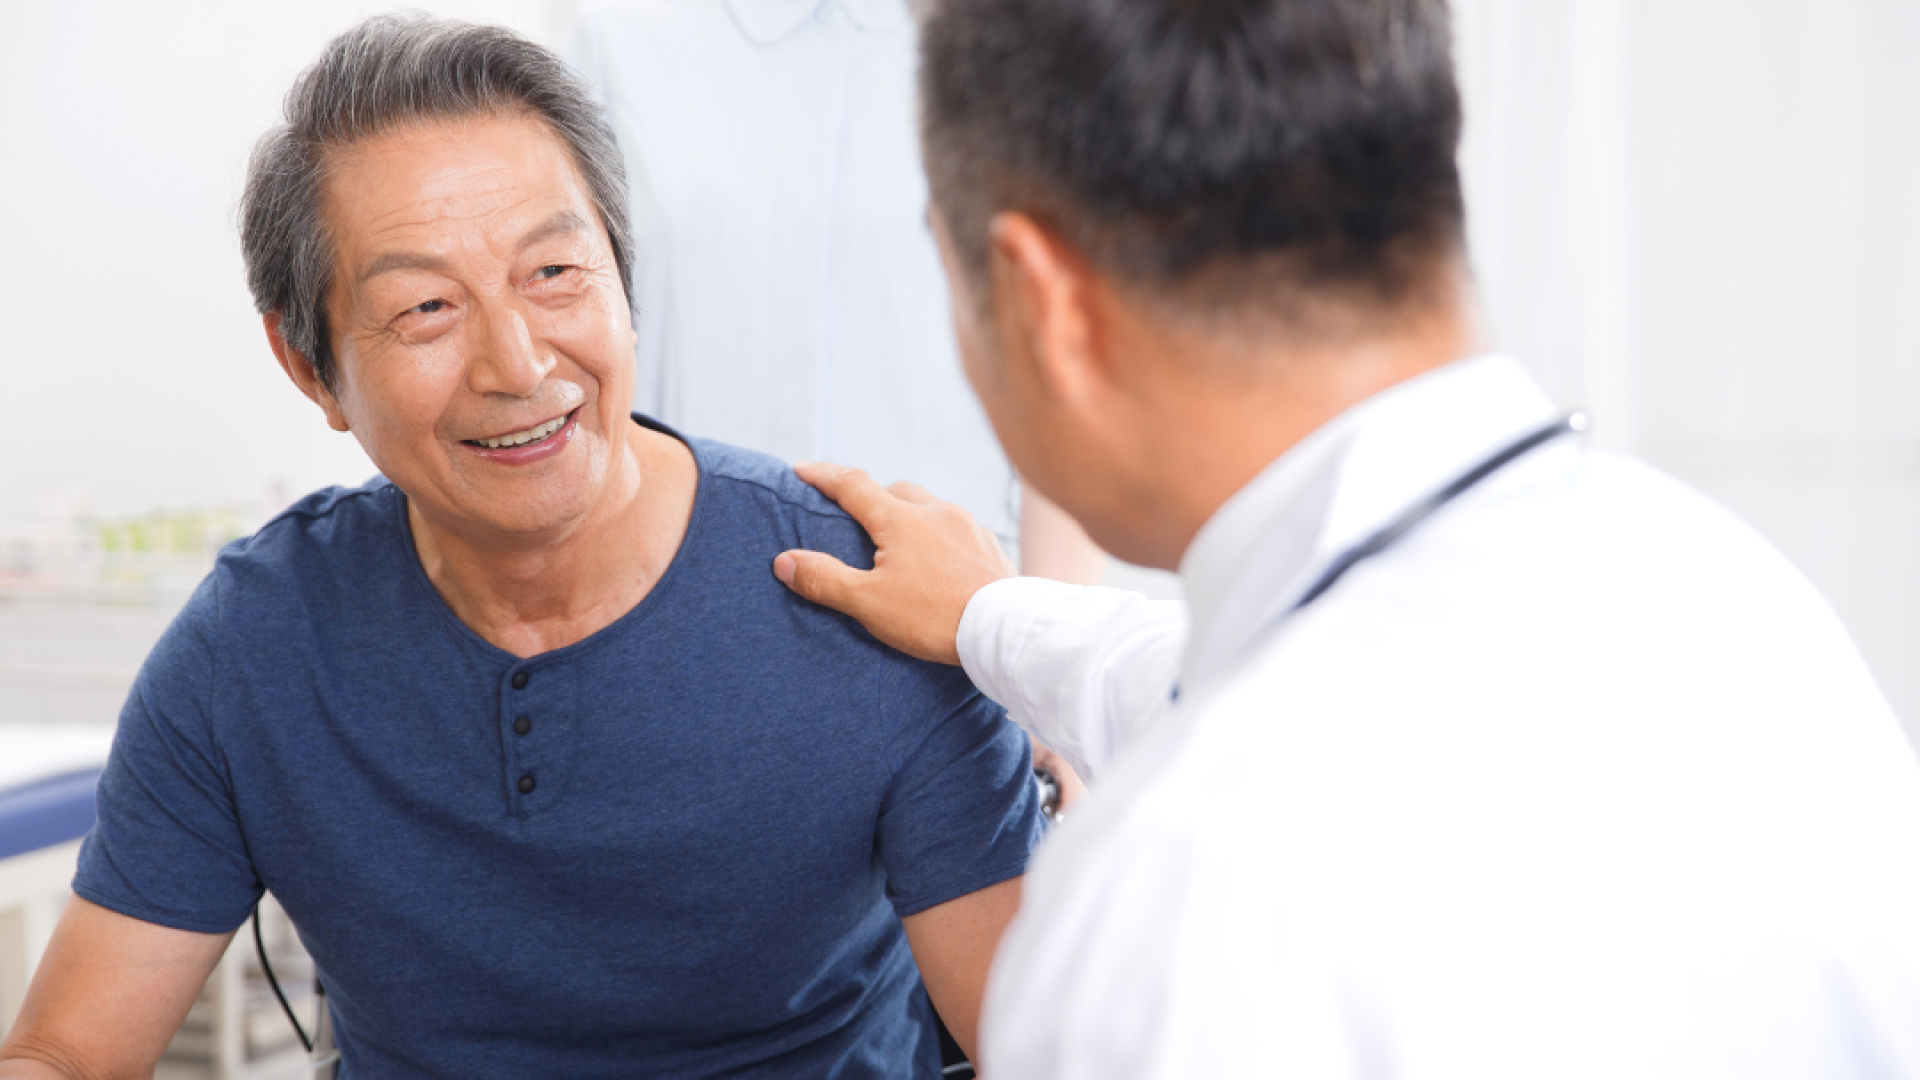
<point x="508" y="361"/>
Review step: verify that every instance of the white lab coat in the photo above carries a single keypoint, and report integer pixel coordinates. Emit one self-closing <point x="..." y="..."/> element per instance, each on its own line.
<point x="790" y="296"/>
<point x="1581" y="779"/>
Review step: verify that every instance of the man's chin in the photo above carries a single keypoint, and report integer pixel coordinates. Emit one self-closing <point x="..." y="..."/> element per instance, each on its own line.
<point x="485" y="502"/>
<point x="527" y="520"/>
<point x="513" y="512"/>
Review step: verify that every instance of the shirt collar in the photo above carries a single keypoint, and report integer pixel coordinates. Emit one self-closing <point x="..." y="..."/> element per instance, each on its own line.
<point x="767" y="21"/>
<point x="1333" y="489"/>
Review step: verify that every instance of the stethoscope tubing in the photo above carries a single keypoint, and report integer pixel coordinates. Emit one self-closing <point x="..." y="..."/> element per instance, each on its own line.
<point x="1413" y="516"/>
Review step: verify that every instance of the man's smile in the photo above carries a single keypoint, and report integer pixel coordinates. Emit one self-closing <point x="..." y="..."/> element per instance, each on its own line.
<point x="531" y="443"/>
<point x="520" y="438"/>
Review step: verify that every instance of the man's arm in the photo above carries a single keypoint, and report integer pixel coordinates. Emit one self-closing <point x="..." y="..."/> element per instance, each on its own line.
<point x="107" y="997"/>
<point x="1053" y="545"/>
<point x="954" y="944"/>
<point x="1080" y="666"/>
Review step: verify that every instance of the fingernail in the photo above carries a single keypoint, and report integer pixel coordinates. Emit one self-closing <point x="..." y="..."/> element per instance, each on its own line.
<point x="783" y="567"/>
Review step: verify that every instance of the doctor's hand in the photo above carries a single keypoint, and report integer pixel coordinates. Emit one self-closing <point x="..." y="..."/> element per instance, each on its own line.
<point x="930" y="558"/>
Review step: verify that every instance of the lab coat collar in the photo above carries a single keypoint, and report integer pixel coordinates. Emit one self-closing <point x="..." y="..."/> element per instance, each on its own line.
<point x="1263" y="547"/>
<point x="767" y="21"/>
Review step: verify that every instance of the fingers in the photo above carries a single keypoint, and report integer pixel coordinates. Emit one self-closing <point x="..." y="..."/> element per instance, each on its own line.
<point x="820" y="578"/>
<point x="908" y="491"/>
<point x="856" y="492"/>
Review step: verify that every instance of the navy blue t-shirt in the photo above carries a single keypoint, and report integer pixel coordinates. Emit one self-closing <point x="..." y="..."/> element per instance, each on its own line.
<point x="690" y="860"/>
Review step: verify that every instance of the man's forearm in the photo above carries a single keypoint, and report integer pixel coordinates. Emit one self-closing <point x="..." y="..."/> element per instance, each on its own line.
<point x="32" y="1068"/>
<point x="954" y="945"/>
<point x="1053" y="545"/>
<point x="1081" y="667"/>
<point x="109" y="993"/>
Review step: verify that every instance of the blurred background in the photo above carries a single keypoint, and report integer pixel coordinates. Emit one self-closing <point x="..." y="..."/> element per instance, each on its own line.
<point x="1697" y="219"/>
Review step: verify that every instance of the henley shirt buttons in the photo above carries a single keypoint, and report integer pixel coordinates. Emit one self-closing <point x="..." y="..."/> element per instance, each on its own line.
<point x="522" y="726"/>
<point x="526" y="784"/>
<point x="519" y="680"/>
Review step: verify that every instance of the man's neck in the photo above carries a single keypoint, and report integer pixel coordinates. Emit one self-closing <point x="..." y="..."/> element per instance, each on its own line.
<point x="1253" y="408"/>
<point x="534" y="596"/>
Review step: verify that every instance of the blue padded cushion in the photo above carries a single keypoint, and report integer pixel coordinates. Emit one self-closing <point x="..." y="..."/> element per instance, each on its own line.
<point x="47" y="812"/>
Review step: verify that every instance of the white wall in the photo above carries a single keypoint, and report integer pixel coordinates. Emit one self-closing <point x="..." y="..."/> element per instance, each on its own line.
<point x="1698" y="218"/>
<point x="1701" y="219"/>
<point x="134" y="371"/>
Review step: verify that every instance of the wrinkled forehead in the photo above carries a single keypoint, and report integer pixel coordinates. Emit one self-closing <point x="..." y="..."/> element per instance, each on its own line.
<point x="444" y="187"/>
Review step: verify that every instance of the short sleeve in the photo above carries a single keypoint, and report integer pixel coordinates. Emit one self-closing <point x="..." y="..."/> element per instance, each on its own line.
<point x="962" y="811"/>
<point x="167" y="846"/>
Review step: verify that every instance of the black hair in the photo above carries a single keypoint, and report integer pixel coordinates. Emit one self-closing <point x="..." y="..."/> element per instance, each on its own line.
<point x="1235" y="152"/>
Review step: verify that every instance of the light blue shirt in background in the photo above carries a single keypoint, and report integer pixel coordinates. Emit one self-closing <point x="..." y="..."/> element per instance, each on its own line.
<point x="789" y="293"/>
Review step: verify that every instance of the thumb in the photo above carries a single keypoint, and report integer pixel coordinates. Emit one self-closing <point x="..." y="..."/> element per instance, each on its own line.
<point x="820" y="578"/>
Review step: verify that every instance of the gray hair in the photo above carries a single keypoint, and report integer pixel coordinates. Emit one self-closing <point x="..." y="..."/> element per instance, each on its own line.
<point x="389" y="71"/>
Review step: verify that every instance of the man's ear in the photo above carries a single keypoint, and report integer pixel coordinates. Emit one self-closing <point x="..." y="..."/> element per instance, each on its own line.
<point x="1046" y="287"/>
<point x="300" y="370"/>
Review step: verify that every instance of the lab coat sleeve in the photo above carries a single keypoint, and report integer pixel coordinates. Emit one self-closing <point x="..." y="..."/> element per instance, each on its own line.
<point x="1081" y="667"/>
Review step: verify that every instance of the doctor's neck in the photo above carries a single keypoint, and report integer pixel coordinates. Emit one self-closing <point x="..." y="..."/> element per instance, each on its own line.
<point x="1216" y="400"/>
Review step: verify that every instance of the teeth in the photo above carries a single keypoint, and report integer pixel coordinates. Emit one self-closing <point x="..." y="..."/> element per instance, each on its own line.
<point x="532" y="434"/>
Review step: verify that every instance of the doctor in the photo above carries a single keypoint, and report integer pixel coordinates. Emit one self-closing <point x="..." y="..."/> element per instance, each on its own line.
<point x="1489" y="756"/>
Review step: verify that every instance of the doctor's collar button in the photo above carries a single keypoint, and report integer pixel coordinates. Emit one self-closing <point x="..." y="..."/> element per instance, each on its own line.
<point x="519" y="680"/>
<point x="526" y="784"/>
<point x="522" y="726"/>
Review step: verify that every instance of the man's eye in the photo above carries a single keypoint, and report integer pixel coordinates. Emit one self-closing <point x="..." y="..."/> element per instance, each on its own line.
<point x="547" y="273"/>
<point x="427" y="308"/>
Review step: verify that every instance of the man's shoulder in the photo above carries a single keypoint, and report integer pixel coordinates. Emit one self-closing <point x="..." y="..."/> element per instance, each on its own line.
<point x="1542" y="617"/>
<point x="326" y="517"/>
<point x="313" y="557"/>
<point x="1643" y="539"/>
<point x="771" y="485"/>
<point x="759" y="507"/>
<point x="331" y="534"/>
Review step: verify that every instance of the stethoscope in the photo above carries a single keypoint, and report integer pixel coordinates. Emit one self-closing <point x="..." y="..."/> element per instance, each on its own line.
<point x="323" y="1054"/>
<point x="1413" y="516"/>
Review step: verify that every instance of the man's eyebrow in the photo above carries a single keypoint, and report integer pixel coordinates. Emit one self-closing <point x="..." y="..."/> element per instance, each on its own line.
<point x="401" y="260"/>
<point x="565" y="221"/>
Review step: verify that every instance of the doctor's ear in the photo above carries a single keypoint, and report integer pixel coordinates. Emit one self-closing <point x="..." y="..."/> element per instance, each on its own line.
<point x="301" y="371"/>
<point x="1046" y="289"/>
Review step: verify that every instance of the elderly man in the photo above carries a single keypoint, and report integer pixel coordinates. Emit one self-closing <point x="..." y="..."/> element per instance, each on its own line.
<point x="1490" y="757"/>
<point x="554" y="777"/>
